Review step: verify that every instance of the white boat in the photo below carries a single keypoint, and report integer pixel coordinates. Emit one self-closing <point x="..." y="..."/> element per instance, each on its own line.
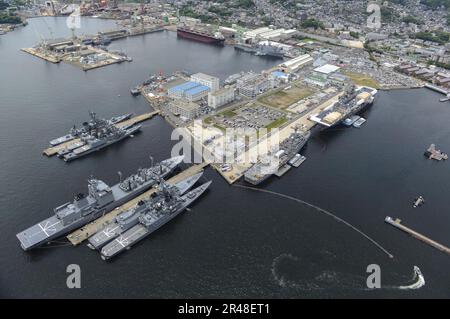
<point x="350" y="120"/>
<point x="359" y="122"/>
<point x="297" y="160"/>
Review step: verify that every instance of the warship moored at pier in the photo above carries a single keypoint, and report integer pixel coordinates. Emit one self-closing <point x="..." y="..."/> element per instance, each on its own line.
<point x="353" y="101"/>
<point x="75" y="132"/>
<point x="100" y="199"/>
<point x="99" y="139"/>
<point x="168" y="205"/>
<point x="275" y="160"/>
<point x="96" y="135"/>
<point x="130" y="217"/>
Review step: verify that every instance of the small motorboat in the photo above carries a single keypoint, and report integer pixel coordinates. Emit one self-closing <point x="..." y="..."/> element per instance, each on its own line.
<point x="418" y="201"/>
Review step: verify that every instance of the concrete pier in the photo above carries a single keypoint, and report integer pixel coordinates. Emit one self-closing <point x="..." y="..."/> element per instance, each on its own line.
<point x="78" y="236"/>
<point x="437" y="89"/>
<point x="397" y="223"/>
<point x="239" y="169"/>
<point x="47" y="57"/>
<point x="137" y="119"/>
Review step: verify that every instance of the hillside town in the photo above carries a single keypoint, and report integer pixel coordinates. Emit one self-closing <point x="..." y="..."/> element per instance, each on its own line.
<point x="412" y="33"/>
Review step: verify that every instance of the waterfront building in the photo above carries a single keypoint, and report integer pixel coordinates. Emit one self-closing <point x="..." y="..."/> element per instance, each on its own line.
<point x="295" y="64"/>
<point x="228" y="33"/>
<point x="204" y="79"/>
<point x="220" y="97"/>
<point x="266" y="33"/>
<point x="186" y="109"/>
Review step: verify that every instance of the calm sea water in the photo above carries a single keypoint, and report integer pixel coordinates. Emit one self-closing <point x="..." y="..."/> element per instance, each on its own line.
<point x="234" y="242"/>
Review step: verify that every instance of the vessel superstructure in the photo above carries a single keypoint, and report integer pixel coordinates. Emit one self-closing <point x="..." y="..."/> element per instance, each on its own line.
<point x="100" y="199"/>
<point x="96" y="135"/>
<point x="169" y="205"/>
<point x="353" y="101"/>
<point x="86" y="126"/>
<point x="271" y="162"/>
<point x="130" y="217"/>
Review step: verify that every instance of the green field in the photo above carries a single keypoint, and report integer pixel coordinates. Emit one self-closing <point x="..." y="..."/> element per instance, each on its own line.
<point x="284" y="98"/>
<point x="362" y="79"/>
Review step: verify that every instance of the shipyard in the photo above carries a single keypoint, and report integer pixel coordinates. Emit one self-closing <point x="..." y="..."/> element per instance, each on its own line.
<point x="235" y="148"/>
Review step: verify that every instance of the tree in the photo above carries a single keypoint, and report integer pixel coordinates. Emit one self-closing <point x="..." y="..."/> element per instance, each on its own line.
<point x="311" y="23"/>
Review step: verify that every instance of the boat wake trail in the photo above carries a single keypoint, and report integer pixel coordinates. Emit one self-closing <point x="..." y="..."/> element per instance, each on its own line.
<point x="321" y="210"/>
<point x="418" y="278"/>
<point x="292" y="272"/>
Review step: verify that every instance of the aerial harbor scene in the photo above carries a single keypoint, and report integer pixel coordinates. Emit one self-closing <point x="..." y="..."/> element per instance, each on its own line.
<point x="225" y="149"/>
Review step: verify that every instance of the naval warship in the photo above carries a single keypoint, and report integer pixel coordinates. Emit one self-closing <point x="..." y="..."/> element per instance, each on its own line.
<point x="130" y="217"/>
<point x="96" y="135"/>
<point x="87" y="126"/>
<point x="100" y="199"/>
<point x="274" y="160"/>
<point x="167" y="204"/>
<point x="98" y="139"/>
<point x="353" y="101"/>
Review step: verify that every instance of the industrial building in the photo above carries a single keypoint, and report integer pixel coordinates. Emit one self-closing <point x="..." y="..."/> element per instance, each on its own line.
<point x="186" y="109"/>
<point x="321" y="75"/>
<point x="251" y="84"/>
<point x="228" y="33"/>
<point x="296" y="63"/>
<point x="220" y="97"/>
<point x="210" y="81"/>
<point x="191" y="91"/>
<point x="266" y="33"/>
<point x="279" y="77"/>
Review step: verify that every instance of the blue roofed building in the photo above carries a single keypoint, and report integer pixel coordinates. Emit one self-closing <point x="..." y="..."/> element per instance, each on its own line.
<point x="279" y="77"/>
<point x="190" y="91"/>
<point x="196" y="93"/>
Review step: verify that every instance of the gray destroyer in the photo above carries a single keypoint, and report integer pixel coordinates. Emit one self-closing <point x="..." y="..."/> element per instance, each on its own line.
<point x="96" y="135"/>
<point x="76" y="132"/>
<point x="276" y="160"/>
<point x="100" y="199"/>
<point x="167" y="204"/>
<point x="130" y="217"/>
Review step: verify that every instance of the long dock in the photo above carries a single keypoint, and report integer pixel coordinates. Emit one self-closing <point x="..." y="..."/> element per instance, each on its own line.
<point x="78" y="236"/>
<point x="137" y="119"/>
<point x="303" y="120"/>
<point x="437" y="89"/>
<point x="46" y="57"/>
<point x="397" y="223"/>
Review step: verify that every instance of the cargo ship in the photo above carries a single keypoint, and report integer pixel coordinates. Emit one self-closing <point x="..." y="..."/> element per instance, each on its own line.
<point x="200" y="35"/>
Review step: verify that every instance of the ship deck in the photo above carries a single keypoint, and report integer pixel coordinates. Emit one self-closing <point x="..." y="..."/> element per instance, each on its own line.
<point x="137" y="119"/>
<point x="41" y="231"/>
<point x="78" y="236"/>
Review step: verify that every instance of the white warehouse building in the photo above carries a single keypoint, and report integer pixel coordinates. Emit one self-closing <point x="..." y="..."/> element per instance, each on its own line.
<point x="296" y="63"/>
<point x="204" y="79"/>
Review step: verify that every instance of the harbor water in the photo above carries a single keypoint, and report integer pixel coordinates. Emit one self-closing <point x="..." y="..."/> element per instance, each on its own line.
<point x="234" y="242"/>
